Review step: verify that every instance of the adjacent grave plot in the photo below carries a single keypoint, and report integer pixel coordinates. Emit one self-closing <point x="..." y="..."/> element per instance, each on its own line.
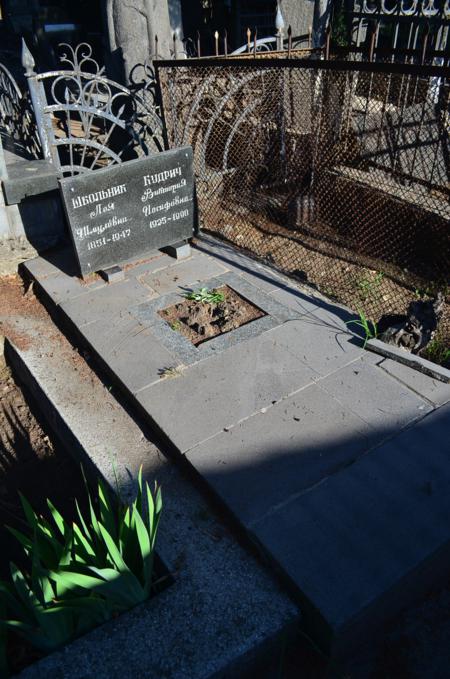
<point x="207" y="313"/>
<point x="126" y="210"/>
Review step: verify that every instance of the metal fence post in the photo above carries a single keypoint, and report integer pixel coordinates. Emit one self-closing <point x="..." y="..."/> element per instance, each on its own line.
<point x="39" y="100"/>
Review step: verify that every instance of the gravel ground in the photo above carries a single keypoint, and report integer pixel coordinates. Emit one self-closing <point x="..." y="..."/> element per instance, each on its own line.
<point x="13" y="251"/>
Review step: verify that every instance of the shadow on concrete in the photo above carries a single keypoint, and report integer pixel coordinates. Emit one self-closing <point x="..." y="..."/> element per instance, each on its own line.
<point x="354" y="537"/>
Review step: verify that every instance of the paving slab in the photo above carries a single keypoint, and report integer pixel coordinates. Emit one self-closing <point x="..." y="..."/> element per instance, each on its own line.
<point x="119" y="339"/>
<point x="224" y="389"/>
<point x="183" y="275"/>
<point x="274" y="455"/>
<point x="372" y="534"/>
<point x="296" y="299"/>
<point x="322" y="347"/>
<point x="431" y="389"/>
<point x="375" y="396"/>
<point x="52" y="263"/>
<point x="106" y="301"/>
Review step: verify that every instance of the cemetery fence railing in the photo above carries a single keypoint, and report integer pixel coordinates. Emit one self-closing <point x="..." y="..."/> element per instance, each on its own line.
<point x="336" y="173"/>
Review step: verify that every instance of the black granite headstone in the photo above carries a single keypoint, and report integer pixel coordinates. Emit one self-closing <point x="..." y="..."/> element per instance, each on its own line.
<point x="125" y="210"/>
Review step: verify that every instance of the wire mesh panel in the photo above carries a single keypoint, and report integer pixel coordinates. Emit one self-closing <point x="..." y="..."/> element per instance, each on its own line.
<point x="335" y="173"/>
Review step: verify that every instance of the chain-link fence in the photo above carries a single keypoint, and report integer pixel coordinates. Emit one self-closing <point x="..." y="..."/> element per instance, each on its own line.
<point x="337" y="174"/>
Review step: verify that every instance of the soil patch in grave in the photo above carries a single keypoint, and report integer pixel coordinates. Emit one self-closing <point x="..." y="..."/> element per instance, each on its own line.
<point x="200" y="321"/>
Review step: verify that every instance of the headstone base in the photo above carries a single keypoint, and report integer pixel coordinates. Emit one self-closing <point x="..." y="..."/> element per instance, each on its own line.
<point x="113" y="274"/>
<point x="178" y="250"/>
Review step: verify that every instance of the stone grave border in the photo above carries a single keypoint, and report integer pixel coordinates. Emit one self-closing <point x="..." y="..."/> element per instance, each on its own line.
<point x="176" y="343"/>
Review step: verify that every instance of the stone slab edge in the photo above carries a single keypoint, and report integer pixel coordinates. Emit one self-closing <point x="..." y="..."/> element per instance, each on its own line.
<point x="269" y="616"/>
<point x="411" y="360"/>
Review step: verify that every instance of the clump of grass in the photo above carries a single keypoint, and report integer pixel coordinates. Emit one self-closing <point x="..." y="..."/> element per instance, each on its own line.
<point x="176" y="325"/>
<point x="172" y="371"/>
<point x="206" y="296"/>
<point x="438" y="352"/>
<point x="369" y="327"/>
<point x="369" y="287"/>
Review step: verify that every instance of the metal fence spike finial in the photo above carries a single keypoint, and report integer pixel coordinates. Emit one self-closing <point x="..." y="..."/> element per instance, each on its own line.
<point x="249" y="37"/>
<point x="27" y="59"/>
<point x="255" y="41"/>
<point x="156" y="46"/>
<point x="216" y="40"/>
<point x="198" y="45"/>
<point x="280" y="26"/>
<point x="279" y="20"/>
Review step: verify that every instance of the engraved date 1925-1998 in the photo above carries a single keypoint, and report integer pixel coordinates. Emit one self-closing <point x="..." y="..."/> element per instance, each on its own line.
<point x="111" y="238"/>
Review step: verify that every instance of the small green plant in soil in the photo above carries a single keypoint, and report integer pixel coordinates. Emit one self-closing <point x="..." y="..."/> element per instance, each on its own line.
<point x="206" y="296"/>
<point x="438" y="352"/>
<point x="369" y="288"/>
<point x="369" y="327"/>
<point x="82" y="574"/>
<point x="176" y="325"/>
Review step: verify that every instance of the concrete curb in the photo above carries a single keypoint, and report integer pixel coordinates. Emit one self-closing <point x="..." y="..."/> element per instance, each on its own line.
<point x="412" y="361"/>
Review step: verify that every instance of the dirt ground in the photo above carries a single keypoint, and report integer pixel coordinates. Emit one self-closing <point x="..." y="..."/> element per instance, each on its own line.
<point x="200" y="321"/>
<point x="30" y="461"/>
<point x="416" y="645"/>
<point x="361" y="287"/>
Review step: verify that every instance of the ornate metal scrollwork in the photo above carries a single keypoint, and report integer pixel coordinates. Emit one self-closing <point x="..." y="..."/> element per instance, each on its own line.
<point x="17" y="124"/>
<point x="88" y="121"/>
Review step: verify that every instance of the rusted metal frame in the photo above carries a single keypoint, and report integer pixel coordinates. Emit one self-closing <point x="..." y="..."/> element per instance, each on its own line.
<point x="412" y="178"/>
<point x="352" y="92"/>
<point x="162" y="113"/>
<point x="234" y="130"/>
<point x="323" y="65"/>
<point x="416" y="146"/>
<point x="445" y="136"/>
<point x="401" y="118"/>
<point x="223" y="102"/>
<point x="369" y="93"/>
<point x="399" y="51"/>
<point x="383" y="114"/>
<point x="64" y="141"/>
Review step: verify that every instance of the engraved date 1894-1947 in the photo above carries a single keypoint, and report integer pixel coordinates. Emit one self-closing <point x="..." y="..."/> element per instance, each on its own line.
<point x="113" y="237"/>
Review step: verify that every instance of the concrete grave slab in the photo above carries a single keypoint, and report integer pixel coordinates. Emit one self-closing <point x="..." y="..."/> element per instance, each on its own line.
<point x="297" y="300"/>
<point x="370" y="535"/>
<point x="52" y="263"/>
<point x="431" y="389"/>
<point x="374" y="396"/>
<point x="185" y="274"/>
<point x="106" y="301"/>
<point x="277" y="313"/>
<point x="263" y="461"/>
<point x="265" y="428"/>
<point x="322" y="347"/>
<point x="118" y="339"/>
<point x="224" y="389"/>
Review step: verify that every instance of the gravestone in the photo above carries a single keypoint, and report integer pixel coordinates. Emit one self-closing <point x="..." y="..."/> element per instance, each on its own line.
<point x="126" y="210"/>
